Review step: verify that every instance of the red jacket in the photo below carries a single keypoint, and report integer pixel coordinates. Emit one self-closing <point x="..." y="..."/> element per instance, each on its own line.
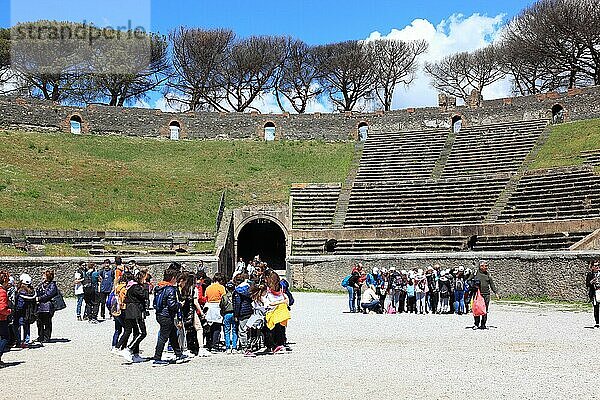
<point x="4" y="310"/>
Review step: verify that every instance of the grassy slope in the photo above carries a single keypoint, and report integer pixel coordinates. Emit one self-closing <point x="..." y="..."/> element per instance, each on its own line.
<point x="565" y="143"/>
<point x="58" y="181"/>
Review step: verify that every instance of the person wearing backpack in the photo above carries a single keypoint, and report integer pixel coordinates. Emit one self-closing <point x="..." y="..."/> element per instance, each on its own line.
<point x="350" y="282"/>
<point x="107" y="279"/>
<point x="444" y="284"/>
<point x="116" y="306"/>
<point x="459" y="291"/>
<point x="229" y="324"/>
<point x="134" y="317"/>
<point x="242" y="308"/>
<point x="433" y="292"/>
<point x="166" y="305"/>
<point x="25" y="309"/>
<point x="90" y="293"/>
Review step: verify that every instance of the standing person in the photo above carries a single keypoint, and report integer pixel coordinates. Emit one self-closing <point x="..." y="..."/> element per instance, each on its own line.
<point x="433" y="293"/>
<point x="485" y="284"/>
<point x="119" y="268"/>
<point x="214" y="293"/>
<point x="459" y="291"/>
<point x="107" y="281"/>
<point x="5" y="311"/>
<point x="592" y="282"/>
<point x="90" y="293"/>
<point x="229" y="324"/>
<point x="189" y="310"/>
<point x="46" y="291"/>
<point x="135" y="317"/>
<point x="78" y="288"/>
<point x="420" y="292"/>
<point x="256" y="321"/>
<point x="242" y="308"/>
<point x="444" y="284"/>
<point x="277" y="313"/>
<point x="411" y="306"/>
<point x="351" y="282"/>
<point x="25" y="309"/>
<point x="166" y="305"/>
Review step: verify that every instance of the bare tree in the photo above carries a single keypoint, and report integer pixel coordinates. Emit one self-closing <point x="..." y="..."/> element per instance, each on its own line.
<point x="199" y="60"/>
<point x="48" y="68"/>
<point x="449" y="75"/>
<point x="250" y="70"/>
<point x="297" y="77"/>
<point x="147" y="68"/>
<point x="345" y="72"/>
<point x="459" y="74"/>
<point x="530" y="71"/>
<point x="552" y="29"/>
<point x="394" y="62"/>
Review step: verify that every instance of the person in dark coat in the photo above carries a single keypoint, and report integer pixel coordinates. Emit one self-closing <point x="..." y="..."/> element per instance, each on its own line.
<point x="166" y="304"/>
<point x="135" y="315"/>
<point x="592" y="282"/>
<point x="242" y="308"/>
<point x="46" y="291"/>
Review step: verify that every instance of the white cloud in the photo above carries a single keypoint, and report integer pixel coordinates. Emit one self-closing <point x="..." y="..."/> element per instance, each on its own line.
<point x="455" y="34"/>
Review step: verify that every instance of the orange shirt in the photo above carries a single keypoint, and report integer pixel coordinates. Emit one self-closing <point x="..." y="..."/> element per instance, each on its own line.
<point x="214" y="293"/>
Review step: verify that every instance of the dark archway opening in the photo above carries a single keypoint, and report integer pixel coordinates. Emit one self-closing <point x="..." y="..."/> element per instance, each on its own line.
<point x="363" y="131"/>
<point x="457" y="122"/>
<point x="558" y="114"/>
<point x="264" y="238"/>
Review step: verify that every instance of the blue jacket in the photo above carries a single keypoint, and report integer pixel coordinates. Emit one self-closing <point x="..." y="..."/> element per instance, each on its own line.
<point x="108" y="278"/>
<point x="46" y="292"/>
<point x="242" y="302"/>
<point x="165" y="301"/>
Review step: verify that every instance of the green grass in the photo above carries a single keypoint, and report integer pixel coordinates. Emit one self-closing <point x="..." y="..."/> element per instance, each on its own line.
<point x="565" y="143"/>
<point x="10" y="251"/>
<point x="59" y="181"/>
<point x="205" y="247"/>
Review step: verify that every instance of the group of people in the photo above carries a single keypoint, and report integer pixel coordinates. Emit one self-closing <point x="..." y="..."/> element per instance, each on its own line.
<point x="420" y="291"/>
<point x="251" y="310"/>
<point x="21" y="305"/>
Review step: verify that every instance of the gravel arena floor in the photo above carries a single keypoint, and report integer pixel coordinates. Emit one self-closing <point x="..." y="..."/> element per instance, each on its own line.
<point x="531" y="351"/>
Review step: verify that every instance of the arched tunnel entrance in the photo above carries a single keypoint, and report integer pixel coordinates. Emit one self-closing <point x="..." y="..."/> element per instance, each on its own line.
<point x="265" y="238"/>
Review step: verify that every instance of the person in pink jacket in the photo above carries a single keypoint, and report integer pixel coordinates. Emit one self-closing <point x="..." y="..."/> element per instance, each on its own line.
<point x="5" y="311"/>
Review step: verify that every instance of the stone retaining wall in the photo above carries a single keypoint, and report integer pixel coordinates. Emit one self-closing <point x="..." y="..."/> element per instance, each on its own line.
<point x="65" y="267"/>
<point x="557" y="275"/>
<point x="39" y="115"/>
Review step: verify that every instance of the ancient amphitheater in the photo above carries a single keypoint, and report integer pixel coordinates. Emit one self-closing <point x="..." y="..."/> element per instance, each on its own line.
<point x="446" y="184"/>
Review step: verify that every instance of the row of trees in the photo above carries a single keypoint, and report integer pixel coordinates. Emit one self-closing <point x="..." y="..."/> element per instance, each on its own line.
<point x="204" y="69"/>
<point x="551" y="45"/>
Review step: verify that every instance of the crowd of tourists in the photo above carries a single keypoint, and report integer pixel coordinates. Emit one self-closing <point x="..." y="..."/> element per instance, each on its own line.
<point x="420" y="290"/>
<point x="197" y="314"/>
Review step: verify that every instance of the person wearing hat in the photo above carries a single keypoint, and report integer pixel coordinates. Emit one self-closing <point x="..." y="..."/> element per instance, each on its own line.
<point x="25" y="308"/>
<point x="485" y="283"/>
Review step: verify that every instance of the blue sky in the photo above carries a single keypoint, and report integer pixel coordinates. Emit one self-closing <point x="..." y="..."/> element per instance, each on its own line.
<point x="448" y="25"/>
<point x="315" y="21"/>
